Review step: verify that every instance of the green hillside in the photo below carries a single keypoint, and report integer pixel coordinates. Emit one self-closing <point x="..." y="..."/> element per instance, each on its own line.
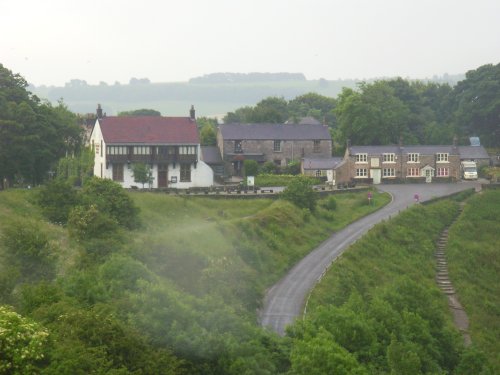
<point x="379" y="310"/>
<point x="178" y="294"/>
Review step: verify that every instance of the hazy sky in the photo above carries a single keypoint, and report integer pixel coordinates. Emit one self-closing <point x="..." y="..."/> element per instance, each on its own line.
<point x="53" y="41"/>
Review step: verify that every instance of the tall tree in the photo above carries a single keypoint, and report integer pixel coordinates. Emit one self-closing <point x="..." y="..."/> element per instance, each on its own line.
<point x="33" y="135"/>
<point x="477" y="101"/>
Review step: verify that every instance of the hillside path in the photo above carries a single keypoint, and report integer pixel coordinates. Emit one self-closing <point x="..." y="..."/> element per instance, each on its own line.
<point x="285" y="300"/>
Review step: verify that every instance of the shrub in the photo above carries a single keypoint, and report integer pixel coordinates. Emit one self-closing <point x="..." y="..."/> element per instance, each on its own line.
<point x="330" y="204"/>
<point x="293" y="168"/>
<point x="142" y="174"/>
<point x="28" y="250"/>
<point x="270" y="168"/>
<point x="111" y="199"/>
<point x="22" y="343"/>
<point x="301" y="194"/>
<point x="87" y="223"/>
<point x="56" y="199"/>
<point x="251" y="167"/>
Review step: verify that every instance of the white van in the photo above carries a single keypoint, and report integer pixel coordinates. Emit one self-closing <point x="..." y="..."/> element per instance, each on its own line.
<point x="469" y="170"/>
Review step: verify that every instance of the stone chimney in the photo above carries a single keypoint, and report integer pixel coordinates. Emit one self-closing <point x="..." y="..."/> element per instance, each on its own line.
<point x="400" y="141"/>
<point x="99" y="111"/>
<point x="455" y="140"/>
<point x="192" y="113"/>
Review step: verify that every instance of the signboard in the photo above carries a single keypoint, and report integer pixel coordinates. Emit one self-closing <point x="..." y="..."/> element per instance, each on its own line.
<point x="250" y="180"/>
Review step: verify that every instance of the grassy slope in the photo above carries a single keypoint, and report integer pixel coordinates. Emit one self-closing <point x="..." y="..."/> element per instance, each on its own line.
<point x="17" y="205"/>
<point x="402" y="246"/>
<point x="474" y="266"/>
<point x="235" y="248"/>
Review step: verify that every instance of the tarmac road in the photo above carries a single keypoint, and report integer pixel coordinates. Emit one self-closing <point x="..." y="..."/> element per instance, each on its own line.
<point x="284" y="301"/>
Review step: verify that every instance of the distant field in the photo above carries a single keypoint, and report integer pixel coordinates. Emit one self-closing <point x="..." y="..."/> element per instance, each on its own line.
<point x="175" y="99"/>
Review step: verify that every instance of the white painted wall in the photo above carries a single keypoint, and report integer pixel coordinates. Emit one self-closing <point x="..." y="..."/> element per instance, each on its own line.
<point x="201" y="176"/>
<point x="96" y="141"/>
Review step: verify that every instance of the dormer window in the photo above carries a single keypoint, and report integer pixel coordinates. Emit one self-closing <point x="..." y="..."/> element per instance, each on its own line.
<point x="361" y="158"/>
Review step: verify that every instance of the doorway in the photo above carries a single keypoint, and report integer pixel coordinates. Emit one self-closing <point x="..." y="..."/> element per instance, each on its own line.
<point x="162" y="175"/>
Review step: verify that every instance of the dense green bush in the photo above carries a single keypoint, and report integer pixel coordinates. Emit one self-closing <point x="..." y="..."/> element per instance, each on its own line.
<point x="330" y="203"/>
<point x="251" y="167"/>
<point x="22" y="343"/>
<point x="110" y="198"/>
<point x="301" y="193"/>
<point x="56" y="199"/>
<point x="29" y="251"/>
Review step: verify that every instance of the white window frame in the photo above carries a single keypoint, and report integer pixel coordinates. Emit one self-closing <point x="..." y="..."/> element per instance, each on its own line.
<point x="413" y="172"/>
<point x="277" y="146"/>
<point x="388" y="172"/>
<point x="442" y="157"/>
<point x="361" y="158"/>
<point x="116" y="150"/>
<point x="187" y="150"/>
<point x="361" y="172"/>
<point x="443" y="172"/>
<point x="389" y="157"/>
<point x="414" y="157"/>
<point x="142" y="150"/>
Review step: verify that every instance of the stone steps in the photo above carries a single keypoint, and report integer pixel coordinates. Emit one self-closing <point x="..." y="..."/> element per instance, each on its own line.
<point x="446" y="286"/>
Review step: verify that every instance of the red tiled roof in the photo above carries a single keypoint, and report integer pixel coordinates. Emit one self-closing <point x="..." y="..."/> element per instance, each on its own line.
<point x="149" y="130"/>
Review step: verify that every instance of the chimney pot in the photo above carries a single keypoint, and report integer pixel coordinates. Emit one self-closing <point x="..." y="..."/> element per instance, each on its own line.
<point x="192" y="113"/>
<point x="99" y="111"/>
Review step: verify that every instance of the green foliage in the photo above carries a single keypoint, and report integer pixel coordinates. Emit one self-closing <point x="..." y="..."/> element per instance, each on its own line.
<point x="208" y="131"/>
<point x="140" y="112"/>
<point x="191" y="280"/>
<point x="293" y="168"/>
<point x="29" y="251"/>
<point x="474" y="266"/>
<point x="142" y="173"/>
<point x="33" y="134"/>
<point x="388" y="322"/>
<point x="88" y="222"/>
<point x="269" y="168"/>
<point x="322" y="355"/>
<point x="109" y="198"/>
<point x="22" y="343"/>
<point x="264" y="180"/>
<point x="330" y="204"/>
<point x="78" y="168"/>
<point x="301" y="193"/>
<point x="251" y="167"/>
<point x="477" y="104"/>
<point x="56" y="199"/>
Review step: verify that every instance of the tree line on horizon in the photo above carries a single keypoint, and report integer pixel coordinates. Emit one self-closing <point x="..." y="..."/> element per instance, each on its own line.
<point x="385" y="111"/>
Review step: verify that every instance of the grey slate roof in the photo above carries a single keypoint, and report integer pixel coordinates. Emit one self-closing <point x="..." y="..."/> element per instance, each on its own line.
<point x="325" y="163"/>
<point x="424" y="150"/>
<point x="472" y="152"/>
<point x="211" y="155"/>
<point x="284" y="132"/>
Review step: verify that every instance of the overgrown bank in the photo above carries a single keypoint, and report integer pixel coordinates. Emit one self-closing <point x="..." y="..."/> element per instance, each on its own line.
<point x="379" y="310"/>
<point x="175" y="295"/>
<point x="474" y="266"/>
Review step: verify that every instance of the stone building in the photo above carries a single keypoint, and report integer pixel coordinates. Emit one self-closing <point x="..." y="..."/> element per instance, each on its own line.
<point x="277" y="143"/>
<point x="390" y="164"/>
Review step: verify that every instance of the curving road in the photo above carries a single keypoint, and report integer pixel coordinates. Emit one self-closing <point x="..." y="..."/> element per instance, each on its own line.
<point x="284" y="302"/>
